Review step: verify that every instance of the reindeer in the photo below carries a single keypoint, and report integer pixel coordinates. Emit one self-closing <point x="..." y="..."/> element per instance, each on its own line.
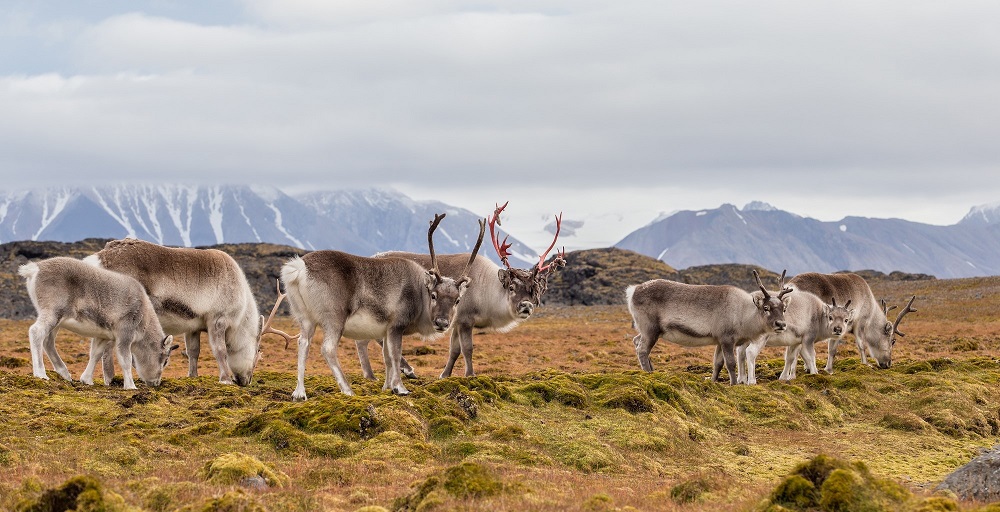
<point x="501" y="299"/>
<point x="364" y="298"/>
<point x="871" y="327"/>
<point x="193" y="291"/>
<point x="90" y="301"/>
<point x="807" y="320"/>
<point x="701" y="315"/>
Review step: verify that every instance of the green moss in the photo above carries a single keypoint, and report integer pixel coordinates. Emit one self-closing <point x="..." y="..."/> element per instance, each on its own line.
<point x="796" y="491"/>
<point x="349" y="417"/>
<point x="508" y="433"/>
<point x="232" y="501"/>
<point x="470" y="480"/>
<point x="598" y="503"/>
<point x="690" y="491"/>
<point x="905" y="421"/>
<point x="842" y="491"/>
<point x="419" y="492"/>
<point x="80" y="494"/>
<point x="938" y="504"/>
<point x="445" y="427"/>
<point x="14" y="362"/>
<point x="8" y="457"/>
<point x="917" y="367"/>
<point x="232" y="468"/>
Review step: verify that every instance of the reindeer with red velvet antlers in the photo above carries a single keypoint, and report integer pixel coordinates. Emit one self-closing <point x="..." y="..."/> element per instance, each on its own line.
<point x="499" y="300"/>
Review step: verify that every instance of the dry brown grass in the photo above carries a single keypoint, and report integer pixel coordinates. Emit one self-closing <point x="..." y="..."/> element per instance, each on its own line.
<point x="574" y="449"/>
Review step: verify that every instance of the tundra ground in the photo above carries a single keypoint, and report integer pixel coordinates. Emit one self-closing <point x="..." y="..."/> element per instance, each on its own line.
<point x="558" y="418"/>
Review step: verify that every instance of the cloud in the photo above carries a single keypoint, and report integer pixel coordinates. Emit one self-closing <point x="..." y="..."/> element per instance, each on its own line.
<point x="718" y="101"/>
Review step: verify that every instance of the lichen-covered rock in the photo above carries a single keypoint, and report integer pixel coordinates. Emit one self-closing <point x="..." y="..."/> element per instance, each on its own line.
<point x="235" y="468"/>
<point x="978" y="480"/>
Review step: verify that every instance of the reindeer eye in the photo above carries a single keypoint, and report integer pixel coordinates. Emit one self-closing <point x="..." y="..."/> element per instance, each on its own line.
<point x="511" y="288"/>
<point x="767" y="308"/>
<point x="434" y="295"/>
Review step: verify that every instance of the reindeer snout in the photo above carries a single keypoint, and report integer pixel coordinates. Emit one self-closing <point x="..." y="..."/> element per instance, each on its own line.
<point x="884" y="364"/>
<point x="240" y="380"/>
<point x="525" y="308"/>
<point x="779" y="326"/>
<point x="441" y="324"/>
<point x="838" y="331"/>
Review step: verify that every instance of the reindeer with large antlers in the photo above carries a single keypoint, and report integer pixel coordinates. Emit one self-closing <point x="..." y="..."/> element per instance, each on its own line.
<point x="871" y="327"/>
<point x="703" y="315"/>
<point x="501" y="298"/>
<point x="365" y="298"/>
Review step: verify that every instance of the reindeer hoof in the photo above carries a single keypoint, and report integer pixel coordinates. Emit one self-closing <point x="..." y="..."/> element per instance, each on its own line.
<point x="410" y="374"/>
<point x="299" y="396"/>
<point x="401" y="391"/>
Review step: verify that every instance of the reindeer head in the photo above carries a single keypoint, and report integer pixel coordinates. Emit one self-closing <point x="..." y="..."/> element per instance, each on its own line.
<point x="524" y="287"/>
<point x="444" y="293"/>
<point x="150" y="357"/>
<point x="839" y="318"/>
<point x="882" y="341"/>
<point x="770" y="306"/>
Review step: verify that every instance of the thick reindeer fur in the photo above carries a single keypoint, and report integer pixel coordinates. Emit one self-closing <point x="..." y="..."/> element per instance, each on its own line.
<point x="871" y="328"/>
<point x="488" y="305"/>
<point x="807" y="320"/>
<point x="195" y="291"/>
<point x="701" y="315"/>
<point x="365" y="298"/>
<point x="91" y="301"/>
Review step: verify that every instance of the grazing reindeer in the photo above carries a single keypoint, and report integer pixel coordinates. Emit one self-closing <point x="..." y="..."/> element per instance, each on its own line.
<point x="701" y="315"/>
<point x="502" y="297"/>
<point x="94" y="302"/>
<point x="871" y="327"/>
<point x="194" y="291"/>
<point x="807" y="320"/>
<point x="365" y="298"/>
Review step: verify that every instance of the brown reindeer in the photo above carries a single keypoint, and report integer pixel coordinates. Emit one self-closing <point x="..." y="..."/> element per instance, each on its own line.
<point x="500" y="300"/>
<point x="365" y="298"/>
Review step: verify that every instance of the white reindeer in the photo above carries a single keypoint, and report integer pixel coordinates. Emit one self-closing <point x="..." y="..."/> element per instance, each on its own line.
<point x="365" y="298"/>
<point x="807" y="320"/>
<point x="89" y="301"/>
<point x="703" y="315"/>
<point x="193" y="291"/>
<point x="871" y="327"/>
<point x="501" y="299"/>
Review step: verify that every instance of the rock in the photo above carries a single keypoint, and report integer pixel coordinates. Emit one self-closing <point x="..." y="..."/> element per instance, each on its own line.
<point x="978" y="480"/>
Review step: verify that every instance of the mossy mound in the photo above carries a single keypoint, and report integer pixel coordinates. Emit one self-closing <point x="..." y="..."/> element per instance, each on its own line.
<point x="232" y="501"/>
<point x="79" y="494"/>
<point x="467" y="480"/>
<point x="829" y="484"/>
<point x="235" y="468"/>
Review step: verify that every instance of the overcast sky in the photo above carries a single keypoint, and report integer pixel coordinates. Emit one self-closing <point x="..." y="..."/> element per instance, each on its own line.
<point x="611" y="111"/>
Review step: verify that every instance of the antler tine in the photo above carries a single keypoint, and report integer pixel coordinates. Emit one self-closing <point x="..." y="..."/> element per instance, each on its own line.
<point x="781" y="280"/>
<point x="501" y="247"/>
<point x="833" y="301"/>
<point x="479" y="243"/>
<point x="266" y="324"/>
<point x="430" y="239"/>
<point x="541" y="259"/>
<point x="848" y="304"/>
<point x="558" y="261"/>
<point x="904" y="312"/>
<point x="761" y="285"/>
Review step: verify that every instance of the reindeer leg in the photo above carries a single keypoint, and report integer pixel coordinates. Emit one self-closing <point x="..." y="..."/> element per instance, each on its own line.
<point x="366" y="365"/>
<point x="124" y="351"/>
<point x="57" y="362"/>
<point x="861" y="349"/>
<point x="308" y="329"/>
<point x="192" y="347"/>
<point x="40" y="331"/>
<point x="217" y="340"/>
<point x="728" y="348"/>
<point x="748" y="353"/>
<point x="98" y="348"/>
<point x="644" y="342"/>
<point x="108" y="361"/>
<point x="716" y="364"/>
<point x="831" y="353"/>
<point x="809" y="355"/>
<point x="791" y="359"/>
<point x="454" y="351"/>
<point x="465" y="340"/>
<point x="393" y="350"/>
<point x="331" y="337"/>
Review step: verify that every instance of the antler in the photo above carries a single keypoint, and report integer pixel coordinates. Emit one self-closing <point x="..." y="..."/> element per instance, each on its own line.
<point x="781" y="285"/>
<point x="886" y="308"/>
<point x="479" y="243"/>
<point x="899" y="317"/>
<point x="501" y="247"/>
<point x="761" y="285"/>
<point x="430" y="240"/>
<point x="266" y="324"/>
<point x="541" y="259"/>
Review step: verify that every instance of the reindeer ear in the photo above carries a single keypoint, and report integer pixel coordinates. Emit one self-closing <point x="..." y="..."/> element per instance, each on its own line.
<point x="175" y="347"/>
<point x="504" y="276"/>
<point x="758" y="300"/>
<point x="463" y="284"/>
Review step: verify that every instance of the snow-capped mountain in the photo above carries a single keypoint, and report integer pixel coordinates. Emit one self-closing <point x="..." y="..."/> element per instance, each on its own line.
<point x="355" y="221"/>
<point x="775" y="239"/>
<point x="982" y="215"/>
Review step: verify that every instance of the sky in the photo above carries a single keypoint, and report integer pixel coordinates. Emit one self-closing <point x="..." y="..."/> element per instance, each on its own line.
<point x="613" y="112"/>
